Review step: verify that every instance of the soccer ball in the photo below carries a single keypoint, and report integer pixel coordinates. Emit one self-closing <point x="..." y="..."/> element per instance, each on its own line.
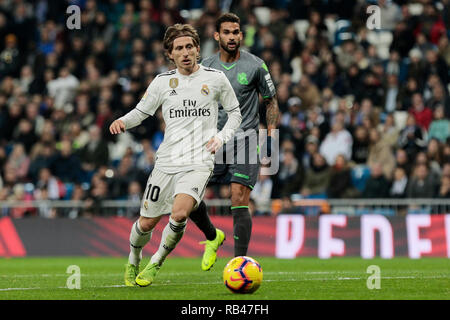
<point x="242" y="275"/>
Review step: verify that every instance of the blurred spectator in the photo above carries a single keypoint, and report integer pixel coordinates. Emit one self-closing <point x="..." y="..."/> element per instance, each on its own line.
<point x="95" y="153"/>
<point x="316" y="118"/>
<point x="421" y="113"/>
<point x="399" y="183"/>
<point x="402" y="160"/>
<point x="422" y="183"/>
<point x="412" y="138"/>
<point x="436" y="65"/>
<point x="317" y="178"/>
<point x="440" y="126"/>
<point x="312" y="147"/>
<point x="45" y="209"/>
<point x="360" y="147"/>
<point x="433" y="167"/>
<point x="25" y="134"/>
<point x="338" y="141"/>
<point x="19" y="195"/>
<point x="78" y="194"/>
<point x="98" y="192"/>
<point x="380" y="152"/>
<point x="261" y="194"/>
<point x="11" y="120"/>
<point x="392" y="91"/>
<point x="404" y="97"/>
<point x="434" y="153"/>
<point x="439" y="97"/>
<point x="340" y="185"/>
<point x="146" y="159"/>
<point x="388" y="130"/>
<point x="9" y="57"/>
<point x="377" y="186"/>
<point x="53" y="187"/>
<point x="123" y="175"/>
<point x="444" y="189"/>
<point x="290" y="175"/>
<point x="416" y="68"/>
<point x="66" y="165"/>
<point x="403" y="37"/>
<point x="19" y="161"/>
<point x="308" y="92"/>
<point x="134" y="196"/>
<point x="62" y="89"/>
<point x="444" y="49"/>
<point x="293" y="111"/>
<point x="390" y="14"/>
<point x="42" y="156"/>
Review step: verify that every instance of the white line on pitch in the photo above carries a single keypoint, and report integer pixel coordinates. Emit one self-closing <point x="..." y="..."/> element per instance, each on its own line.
<point x="168" y="283"/>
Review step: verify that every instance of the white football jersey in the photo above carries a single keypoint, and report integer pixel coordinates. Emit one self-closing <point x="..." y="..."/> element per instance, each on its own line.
<point x="190" y="111"/>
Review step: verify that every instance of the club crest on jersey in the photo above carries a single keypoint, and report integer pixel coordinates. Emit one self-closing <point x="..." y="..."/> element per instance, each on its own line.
<point x="242" y="78"/>
<point x="146" y="205"/>
<point x="205" y="90"/>
<point x="173" y="83"/>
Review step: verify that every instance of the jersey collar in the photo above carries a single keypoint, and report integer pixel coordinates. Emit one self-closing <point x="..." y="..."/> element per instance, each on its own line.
<point x="192" y="75"/>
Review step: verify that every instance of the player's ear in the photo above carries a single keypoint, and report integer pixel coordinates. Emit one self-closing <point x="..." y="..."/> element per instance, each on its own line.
<point x="241" y="35"/>
<point x="216" y="36"/>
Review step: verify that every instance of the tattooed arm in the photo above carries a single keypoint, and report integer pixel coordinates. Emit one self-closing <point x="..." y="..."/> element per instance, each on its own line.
<point x="272" y="113"/>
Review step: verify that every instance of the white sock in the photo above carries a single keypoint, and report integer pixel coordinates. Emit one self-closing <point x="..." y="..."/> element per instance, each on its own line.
<point x="172" y="234"/>
<point x="138" y="239"/>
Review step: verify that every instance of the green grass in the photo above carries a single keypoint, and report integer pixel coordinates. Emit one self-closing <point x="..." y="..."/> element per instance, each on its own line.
<point x="182" y="279"/>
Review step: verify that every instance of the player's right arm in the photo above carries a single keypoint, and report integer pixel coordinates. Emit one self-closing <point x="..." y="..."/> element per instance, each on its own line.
<point x="145" y="108"/>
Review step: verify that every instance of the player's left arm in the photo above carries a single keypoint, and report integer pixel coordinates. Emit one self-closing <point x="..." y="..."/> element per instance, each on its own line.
<point x="267" y="89"/>
<point x="272" y="113"/>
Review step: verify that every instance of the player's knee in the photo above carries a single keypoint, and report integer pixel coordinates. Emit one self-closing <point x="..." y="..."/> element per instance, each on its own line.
<point x="239" y="196"/>
<point x="180" y="214"/>
<point x="146" y="224"/>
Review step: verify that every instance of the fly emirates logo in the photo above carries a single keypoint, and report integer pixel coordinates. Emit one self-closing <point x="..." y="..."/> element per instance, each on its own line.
<point x="189" y="109"/>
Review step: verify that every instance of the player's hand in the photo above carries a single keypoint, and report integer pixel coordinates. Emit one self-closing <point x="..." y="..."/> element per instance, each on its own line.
<point x="214" y="144"/>
<point x="117" y="127"/>
<point x="266" y="160"/>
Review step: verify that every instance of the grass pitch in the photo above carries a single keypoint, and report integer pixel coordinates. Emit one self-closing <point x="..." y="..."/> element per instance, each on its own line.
<point x="182" y="279"/>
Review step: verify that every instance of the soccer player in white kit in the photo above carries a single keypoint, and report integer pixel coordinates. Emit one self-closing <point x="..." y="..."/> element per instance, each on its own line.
<point x="189" y="97"/>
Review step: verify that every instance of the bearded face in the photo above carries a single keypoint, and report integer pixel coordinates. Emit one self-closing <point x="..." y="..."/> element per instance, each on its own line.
<point x="229" y="37"/>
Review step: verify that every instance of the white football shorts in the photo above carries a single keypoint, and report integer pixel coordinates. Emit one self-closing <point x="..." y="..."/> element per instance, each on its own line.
<point x="163" y="187"/>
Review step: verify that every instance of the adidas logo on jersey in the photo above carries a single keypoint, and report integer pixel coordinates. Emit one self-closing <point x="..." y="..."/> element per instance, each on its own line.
<point x="195" y="190"/>
<point x="173" y="93"/>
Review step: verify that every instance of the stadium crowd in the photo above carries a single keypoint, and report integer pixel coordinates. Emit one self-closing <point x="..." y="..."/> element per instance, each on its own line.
<point x="365" y="113"/>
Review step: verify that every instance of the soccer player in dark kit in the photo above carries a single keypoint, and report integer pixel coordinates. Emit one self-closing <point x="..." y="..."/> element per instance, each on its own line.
<point x="249" y="77"/>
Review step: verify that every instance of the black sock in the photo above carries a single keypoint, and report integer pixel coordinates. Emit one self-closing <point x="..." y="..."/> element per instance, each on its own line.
<point x="201" y="219"/>
<point x="242" y="229"/>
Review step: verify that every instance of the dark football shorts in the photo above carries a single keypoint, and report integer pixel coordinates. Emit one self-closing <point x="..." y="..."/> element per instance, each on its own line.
<point x="237" y="162"/>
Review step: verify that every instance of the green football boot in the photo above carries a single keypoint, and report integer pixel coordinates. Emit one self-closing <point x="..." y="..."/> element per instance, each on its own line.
<point x="131" y="271"/>
<point x="211" y="246"/>
<point x="145" y="278"/>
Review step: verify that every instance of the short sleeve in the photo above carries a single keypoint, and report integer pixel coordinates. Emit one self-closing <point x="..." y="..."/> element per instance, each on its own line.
<point x="265" y="84"/>
<point x="151" y="99"/>
<point x="227" y="96"/>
